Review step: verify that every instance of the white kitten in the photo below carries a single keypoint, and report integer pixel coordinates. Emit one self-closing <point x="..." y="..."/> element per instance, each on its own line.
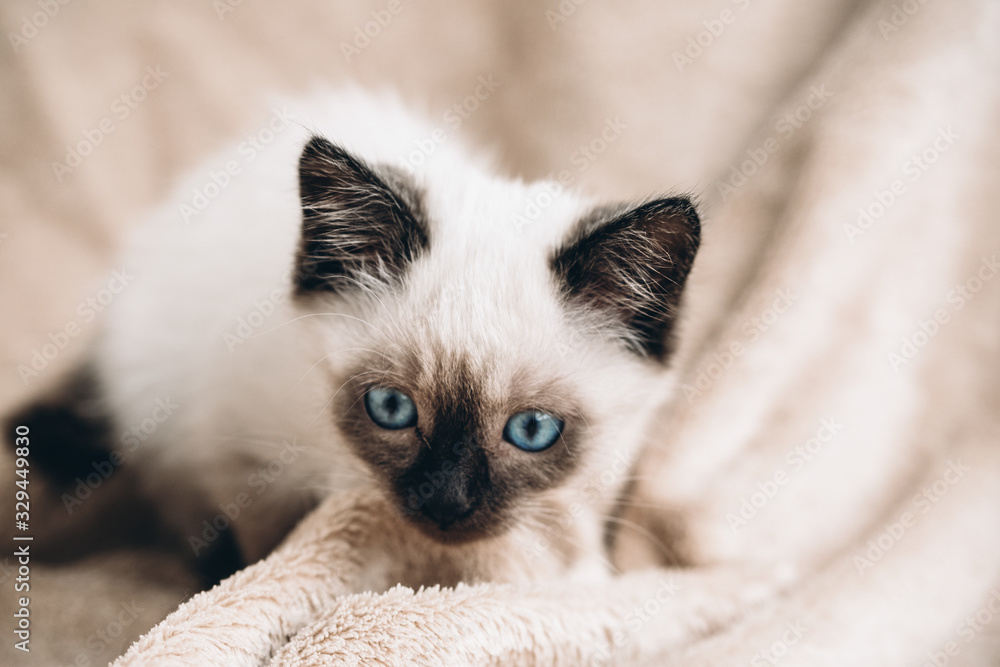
<point x="331" y="318"/>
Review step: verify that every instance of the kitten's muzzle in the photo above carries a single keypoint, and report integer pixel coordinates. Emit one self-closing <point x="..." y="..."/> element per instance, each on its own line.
<point x="443" y="492"/>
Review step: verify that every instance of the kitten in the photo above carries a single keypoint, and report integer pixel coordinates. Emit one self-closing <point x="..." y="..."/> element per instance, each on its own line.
<point x="328" y="317"/>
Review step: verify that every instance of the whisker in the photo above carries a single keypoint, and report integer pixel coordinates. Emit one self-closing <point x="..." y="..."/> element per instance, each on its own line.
<point x="328" y="403"/>
<point x="321" y="360"/>
<point x="302" y="317"/>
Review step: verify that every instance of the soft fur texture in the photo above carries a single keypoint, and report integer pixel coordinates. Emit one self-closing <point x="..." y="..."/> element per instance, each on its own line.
<point x="315" y="601"/>
<point x="418" y="280"/>
<point x="783" y="229"/>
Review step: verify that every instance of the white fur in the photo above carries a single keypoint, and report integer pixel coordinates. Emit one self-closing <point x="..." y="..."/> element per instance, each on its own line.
<point x="484" y="288"/>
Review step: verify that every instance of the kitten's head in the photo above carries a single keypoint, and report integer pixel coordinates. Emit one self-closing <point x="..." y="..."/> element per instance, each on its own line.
<point x="480" y="373"/>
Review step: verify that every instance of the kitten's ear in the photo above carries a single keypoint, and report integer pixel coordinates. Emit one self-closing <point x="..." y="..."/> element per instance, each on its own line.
<point x="354" y="222"/>
<point x="632" y="263"/>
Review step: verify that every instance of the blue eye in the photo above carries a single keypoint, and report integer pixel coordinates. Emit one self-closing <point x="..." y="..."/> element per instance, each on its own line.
<point x="532" y="430"/>
<point x="390" y="408"/>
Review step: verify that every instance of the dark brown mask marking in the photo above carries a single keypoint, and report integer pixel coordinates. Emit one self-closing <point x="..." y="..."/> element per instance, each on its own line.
<point x="452" y="474"/>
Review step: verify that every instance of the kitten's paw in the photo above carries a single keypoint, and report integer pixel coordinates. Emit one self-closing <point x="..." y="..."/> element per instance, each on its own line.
<point x="485" y="624"/>
<point x="400" y="627"/>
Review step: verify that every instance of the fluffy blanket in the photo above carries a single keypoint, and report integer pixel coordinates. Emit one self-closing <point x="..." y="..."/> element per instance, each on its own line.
<point x="829" y="474"/>
<point x="312" y="602"/>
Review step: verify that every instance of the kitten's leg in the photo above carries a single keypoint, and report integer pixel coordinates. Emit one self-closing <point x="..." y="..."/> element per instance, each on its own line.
<point x="226" y="506"/>
<point x="356" y="542"/>
<point x="637" y="615"/>
<point x="243" y="619"/>
<point x="855" y="612"/>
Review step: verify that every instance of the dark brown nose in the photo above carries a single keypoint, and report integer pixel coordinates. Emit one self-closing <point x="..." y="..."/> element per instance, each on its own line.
<point x="446" y="485"/>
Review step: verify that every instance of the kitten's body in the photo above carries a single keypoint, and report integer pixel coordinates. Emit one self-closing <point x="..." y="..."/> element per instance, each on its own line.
<point x="484" y="321"/>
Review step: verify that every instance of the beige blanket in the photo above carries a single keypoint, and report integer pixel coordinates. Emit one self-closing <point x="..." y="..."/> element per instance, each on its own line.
<point x="827" y="308"/>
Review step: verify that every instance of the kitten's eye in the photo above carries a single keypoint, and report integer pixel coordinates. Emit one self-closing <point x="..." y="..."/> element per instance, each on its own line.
<point x="532" y="430"/>
<point x="390" y="408"/>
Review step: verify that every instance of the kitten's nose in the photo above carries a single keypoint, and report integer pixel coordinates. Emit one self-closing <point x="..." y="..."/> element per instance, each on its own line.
<point x="446" y="484"/>
<point x="450" y="504"/>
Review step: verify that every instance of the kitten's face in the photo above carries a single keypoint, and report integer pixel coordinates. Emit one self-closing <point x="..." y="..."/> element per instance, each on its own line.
<point x="479" y="441"/>
<point x="479" y="372"/>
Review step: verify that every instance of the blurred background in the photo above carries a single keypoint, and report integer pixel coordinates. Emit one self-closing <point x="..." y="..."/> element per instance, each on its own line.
<point x="561" y="71"/>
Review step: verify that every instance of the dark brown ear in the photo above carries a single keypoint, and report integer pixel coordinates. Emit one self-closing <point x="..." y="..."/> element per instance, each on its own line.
<point x="354" y="223"/>
<point x="632" y="263"/>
